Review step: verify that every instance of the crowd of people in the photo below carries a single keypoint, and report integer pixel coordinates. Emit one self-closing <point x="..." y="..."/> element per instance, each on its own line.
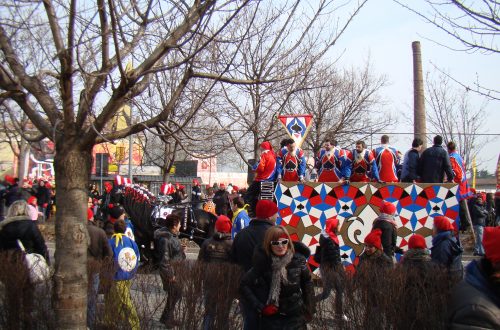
<point x="276" y="290"/>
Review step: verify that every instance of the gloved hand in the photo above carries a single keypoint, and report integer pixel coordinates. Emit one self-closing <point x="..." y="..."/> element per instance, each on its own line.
<point x="269" y="310"/>
<point x="45" y="205"/>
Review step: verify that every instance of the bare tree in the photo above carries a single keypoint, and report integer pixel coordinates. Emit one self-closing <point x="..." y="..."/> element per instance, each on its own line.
<point x="345" y="105"/>
<point x="474" y="24"/>
<point x="64" y="64"/>
<point x="451" y="115"/>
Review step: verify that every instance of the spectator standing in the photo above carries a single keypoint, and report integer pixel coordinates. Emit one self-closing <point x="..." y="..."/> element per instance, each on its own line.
<point x="170" y="250"/>
<point x="373" y="256"/>
<point x="410" y="163"/>
<point x="446" y="250"/>
<point x="243" y="248"/>
<point x="386" y="223"/>
<point x="18" y="225"/>
<point x="328" y="257"/>
<point x="196" y="194"/>
<point x="33" y="208"/>
<point x="216" y="251"/>
<point x="241" y="219"/>
<point x="387" y="160"/>
<point x="43" y="197"/>
<point x="279" y="283"/>
<point x="221" y="200"/>
<point x="434" y="163"/>
<point x="479" y="215"/>
<point x="98" y="252"/>
<point x="265" y="171"/>
<point x="475" y="301"/>
<point x="118" y="301"/>
<point x="417" y="256"/>
<point x="13" y="192"/>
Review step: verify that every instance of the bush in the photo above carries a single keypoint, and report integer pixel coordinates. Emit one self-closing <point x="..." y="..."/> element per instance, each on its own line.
<point x="372" y="299"/>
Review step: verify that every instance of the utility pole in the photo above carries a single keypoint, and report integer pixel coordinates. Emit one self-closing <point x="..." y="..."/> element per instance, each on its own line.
<point x="419" y="126"/>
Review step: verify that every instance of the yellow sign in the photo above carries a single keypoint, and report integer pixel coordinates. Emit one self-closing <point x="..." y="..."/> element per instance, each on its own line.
<point x="172" y="170"/>
<point x="112" y="168"/>
<point x="120" y="153"/>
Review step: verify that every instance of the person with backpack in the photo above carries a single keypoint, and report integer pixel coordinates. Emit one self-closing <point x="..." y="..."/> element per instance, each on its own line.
<point x="446" y="250"/>
<point x="118" y="301"/>
<point x="386" y="223"/>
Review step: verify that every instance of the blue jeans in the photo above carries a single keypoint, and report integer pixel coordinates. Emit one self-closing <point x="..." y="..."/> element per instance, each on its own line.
<point x="92" y="300"/>
<point x="478" y="246"/>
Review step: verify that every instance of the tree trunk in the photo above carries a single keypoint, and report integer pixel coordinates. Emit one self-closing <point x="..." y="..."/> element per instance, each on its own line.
<point x="72" y="166"/>
<point x="24" y="149"/>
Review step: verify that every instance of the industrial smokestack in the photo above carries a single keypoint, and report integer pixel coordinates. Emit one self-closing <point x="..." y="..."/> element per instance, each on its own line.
<point x="419" y="127"/>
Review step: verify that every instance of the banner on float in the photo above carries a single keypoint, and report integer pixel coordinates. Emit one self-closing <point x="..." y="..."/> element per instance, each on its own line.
<point x="297" y="126"/>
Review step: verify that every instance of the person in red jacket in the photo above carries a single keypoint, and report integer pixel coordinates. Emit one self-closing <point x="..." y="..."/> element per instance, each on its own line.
<point x="265" y="170"/>
<point x="387" y="160"/>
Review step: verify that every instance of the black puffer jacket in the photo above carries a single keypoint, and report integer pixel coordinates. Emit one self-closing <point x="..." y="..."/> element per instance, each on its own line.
<point x="389" y="235"/>
<point x="24" y="229"/>
<point x="296" y="298"/>
<point x="169" y="249"/>
<point x="216" y="249"/>
<point x="327" y="253"/>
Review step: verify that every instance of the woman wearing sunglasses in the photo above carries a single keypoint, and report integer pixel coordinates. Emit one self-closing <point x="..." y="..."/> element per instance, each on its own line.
<point x="279" y="286"/>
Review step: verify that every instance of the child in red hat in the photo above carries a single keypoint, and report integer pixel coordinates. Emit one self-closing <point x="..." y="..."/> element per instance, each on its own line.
<point x="475" y="302"/>
<point x="417" y="255"/>
<point x="373" y="255"/>
<point x="386" y="223"/>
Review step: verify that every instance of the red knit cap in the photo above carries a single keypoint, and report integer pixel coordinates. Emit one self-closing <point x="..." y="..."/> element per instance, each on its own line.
<point x="223" y="224"/>
<point x="330" y="228"/>
<point x="417" y="242"/>
<point x="266" y="145"/>
<point x="90" y="214"/>
<point x="443" y="223"/>
<point x="374" y="238"/>
<point x="265" y="209"/>
<point x="32" y="200"/>
<point x="10" y="179"/>
<point x="388" y="208"/>
<point x="491" y="239"/>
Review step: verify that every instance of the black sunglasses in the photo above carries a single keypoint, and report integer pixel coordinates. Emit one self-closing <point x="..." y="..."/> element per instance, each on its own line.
<point x="276" y="243"/>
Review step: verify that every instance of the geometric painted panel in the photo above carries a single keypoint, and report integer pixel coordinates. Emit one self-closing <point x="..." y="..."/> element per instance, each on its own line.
<point x="304" y="209"/>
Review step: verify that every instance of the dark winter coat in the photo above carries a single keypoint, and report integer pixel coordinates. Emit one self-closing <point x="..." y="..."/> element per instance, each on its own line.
<point x="327" y="253"/>
<point x="221" y="201"/>
<point x="99" y="247"/>
<point x="245" y="242"/>
<point x="389" y="235"/>
<point x="418" y="259"/>
<point x="375" y="260"/>
<point x="433" y="164"/>
<point x="410" y="166"/>
<point x="447" y="252"/>
<point x="475" y="302"/>
<point x="42" y="196"/>
<point x="169" y="249"/>
<point x="296" y="299"/>
<point x="478" y="214"/>
<point x="24" y="229"/>
<point x="216" y="249"/>
<point x="13" y="194"/>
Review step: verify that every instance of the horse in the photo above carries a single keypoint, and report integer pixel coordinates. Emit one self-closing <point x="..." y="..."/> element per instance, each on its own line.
<point x="146" y="211"/>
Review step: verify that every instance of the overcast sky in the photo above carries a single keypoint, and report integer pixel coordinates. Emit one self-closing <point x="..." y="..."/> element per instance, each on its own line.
<point x="384" y="31"/>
